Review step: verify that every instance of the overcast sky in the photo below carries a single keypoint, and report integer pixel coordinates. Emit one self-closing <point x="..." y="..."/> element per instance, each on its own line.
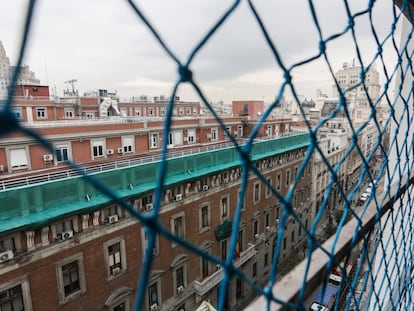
<point x="103" y="44"/>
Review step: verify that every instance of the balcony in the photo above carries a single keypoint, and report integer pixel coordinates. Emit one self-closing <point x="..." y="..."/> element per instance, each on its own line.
<point x="204" y="286"/>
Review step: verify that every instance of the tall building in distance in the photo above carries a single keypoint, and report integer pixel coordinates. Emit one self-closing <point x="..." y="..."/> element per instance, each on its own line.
<point x="26" y="76"/>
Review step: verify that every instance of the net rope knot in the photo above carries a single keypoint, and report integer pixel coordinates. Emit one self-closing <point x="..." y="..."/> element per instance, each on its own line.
<point x="186" y="75"/>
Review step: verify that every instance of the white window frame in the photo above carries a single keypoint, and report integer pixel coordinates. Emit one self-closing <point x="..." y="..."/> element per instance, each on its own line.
<point x="120" y="259"/>
<point x="214" y="134"/>
<point x="175" y="281"/>
<point x="23" y="281"/>
<point x="138" y="112"/>
<point x="154" y="140"/>
<point x="268" y="192"/>
<point x="18" y="158"/>
<point x="191" y="136"/>
<point x="69" y="113"/>
<point x="128" y="144"/>
<point x="256" y="195"/>
<point x="41" y="113"/>
<point x="224" y="210"/>
<point x="172" y="222"/>
<point x="239" y="130"/>
<point x="59" y="148"/>
<point x="157" y="285"/>
<point x="144" y="243"/>
<point x="100" y="152"/>
<point x="205" y="206"/>
<point x="17" y="111"/>
<point x="81" y="276"/>
<point x="90" y="115"/>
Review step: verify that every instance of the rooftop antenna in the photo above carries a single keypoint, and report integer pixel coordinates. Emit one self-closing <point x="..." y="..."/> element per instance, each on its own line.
<point x="72" y="83"/>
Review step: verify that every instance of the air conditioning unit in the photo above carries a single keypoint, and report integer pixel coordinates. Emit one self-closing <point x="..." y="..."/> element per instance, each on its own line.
<point x="115" y="271"/>
<point x="154" y="307"/>
<point x="47" y="157"/>
<point x="67" y="234"/>
<point x="179" y="197"/>
<point x="205" y="187"/>
<point x="121" y="150"/>
<point x="148" y="207"/>
<point x="112" y="219"/>
<point x="109" y="151"/>
<point x="7" y="255"/>
<point x="180" y="289"/>
<point x="256" y="236"/>
<point x="267" y="228"/>
<point x="208" y="136"/>
<point x="1" y="168"/>
<point x="226" y="180"/>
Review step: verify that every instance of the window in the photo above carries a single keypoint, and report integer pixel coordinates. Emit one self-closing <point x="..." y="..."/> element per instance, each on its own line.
<point x="153" y="297"/>
<point x="90" y="115"/>
<point x="191" y="138"/>
<point x="239" y="131"/>
<point x="188" y="110"/>
<point x="194" y="110"/>
<point x="178" y="226"/>
<point x="108" y="212"/>
<point x="153" y="140"/>
<point x="150" y="111"/>
<point x="224" y="207"/>
<point x="255" y="229"/>
<point x="287" y="178"/>
<point x="278" y="181"/>
<point x="293" y="236"/>
<point x="267" y="220"/>
<point x="18" y="158"/>
<point x="204" y="217"/>
<point x="12" y="299"/>
<point x="41" y="113"/>
<point x="7" y="244"/>
<point x="256" y="192"/>
<point x="239" y="288"/>
<point x="17" y="111"/>
<point x="15" y="295"/>
<point x="240" y="242"/>
<point x="223" y="249"/>
<point x="69" y="113"/>
<point x="214" y="134"/>
<point x="63" y="229"/>
<point x="205" y="267"/>
<point x="137" y="112"/>
<point x="284" y="243"/>
<point x="228" y="129"/>
<point x="62" y="153"/>
<point x="97" y="148"/>
<point x="179" y="277"/>
<point x="120" y="307"/>
<point x="70" y="277"/>
<point x="269" y="131"/>
<point x="162" y="111"/>
<point x="128" y="144"/>
<point x="254" y="269"/>
<point x="269" y="188"/>
<point x="145" y="241"/>
<point x="115" y="256"/>
<point x="178" y="138"/>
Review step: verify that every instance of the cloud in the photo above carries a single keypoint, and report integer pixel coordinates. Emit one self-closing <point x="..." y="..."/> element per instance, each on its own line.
<point x="105" y="44"/>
